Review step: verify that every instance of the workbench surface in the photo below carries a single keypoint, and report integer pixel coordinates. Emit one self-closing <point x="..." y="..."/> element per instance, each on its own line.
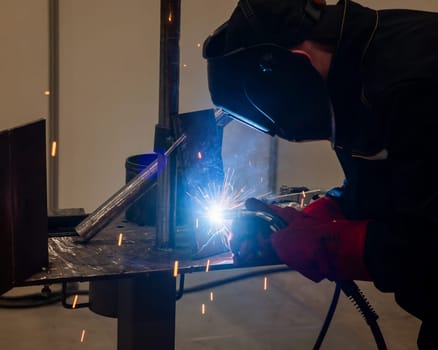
<point x="103" y="257"/>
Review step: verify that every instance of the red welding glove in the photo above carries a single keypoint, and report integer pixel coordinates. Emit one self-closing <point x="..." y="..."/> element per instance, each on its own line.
<point x="316" y="245"/>
<point x="250" y="239"/>
<point x="324" y="208"/>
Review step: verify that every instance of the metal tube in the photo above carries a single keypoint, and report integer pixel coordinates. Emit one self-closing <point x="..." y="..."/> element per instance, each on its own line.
<point x="53" y="103"/>
<point x="169" y="63"/>
<point x="166" y="129"/>
<point x="119" y="201"/>
<point x="165" y="134"/>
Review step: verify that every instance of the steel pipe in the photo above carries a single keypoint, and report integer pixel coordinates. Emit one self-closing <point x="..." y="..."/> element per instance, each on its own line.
<point x="128" y="194"/>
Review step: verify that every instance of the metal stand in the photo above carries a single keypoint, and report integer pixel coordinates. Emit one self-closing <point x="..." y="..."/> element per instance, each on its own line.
<point x="146" y="312"/>
<point x="145" y="305"/>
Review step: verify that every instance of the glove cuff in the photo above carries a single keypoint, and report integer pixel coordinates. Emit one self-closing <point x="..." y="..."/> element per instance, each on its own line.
<point x="324" y="208"/>
<point x="345" y="248"/>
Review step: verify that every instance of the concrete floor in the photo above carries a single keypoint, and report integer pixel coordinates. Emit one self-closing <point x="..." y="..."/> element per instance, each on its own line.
<point x="288" y="314"/>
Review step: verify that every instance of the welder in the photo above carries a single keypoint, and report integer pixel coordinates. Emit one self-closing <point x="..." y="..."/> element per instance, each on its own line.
<point x="367" y="81"/>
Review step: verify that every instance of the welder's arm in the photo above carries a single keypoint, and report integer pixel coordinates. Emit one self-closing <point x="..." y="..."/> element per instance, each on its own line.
<point x="318" y="241"/>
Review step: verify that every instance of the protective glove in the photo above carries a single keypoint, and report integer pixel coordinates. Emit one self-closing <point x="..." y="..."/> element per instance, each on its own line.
<point x="250" y="237"/>
<point x="315" y="244"/>
<point x="250" y="242"/>
<point x="324" y="208"/>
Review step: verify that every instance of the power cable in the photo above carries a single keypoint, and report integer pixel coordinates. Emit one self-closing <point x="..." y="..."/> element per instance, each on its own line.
<point x="350" y="289"/>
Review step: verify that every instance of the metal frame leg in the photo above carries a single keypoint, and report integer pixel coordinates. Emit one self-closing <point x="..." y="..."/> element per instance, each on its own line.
<point x="146" y="312"/>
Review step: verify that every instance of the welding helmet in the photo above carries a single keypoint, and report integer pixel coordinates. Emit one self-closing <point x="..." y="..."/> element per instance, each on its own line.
<point x="254" y="77"/>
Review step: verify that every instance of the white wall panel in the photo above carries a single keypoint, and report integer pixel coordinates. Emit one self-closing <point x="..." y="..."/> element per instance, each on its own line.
<point x="23" y="61"/>
<point x="109" y="61"/>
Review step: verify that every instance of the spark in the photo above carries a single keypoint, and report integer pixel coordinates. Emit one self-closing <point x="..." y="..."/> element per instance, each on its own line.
<point x="53" y="149"/>
<point x="207" y="268"/>
<point x="175" y="268"/>
<point x="203" y="309"/>
<point x="213" y="199"/>
<point x="213" y="207"/>
<point x="120" y="240"/>
<point x="83" y="336"/>
<point x="211" y="296"/>
<point x="170" y="17"/>
<point x="75" y="301"/>
<point x="224" y="196"/>
<point x="199" y="155"/>
<point x="265" y="283"/>
<point x="303" y="196"/>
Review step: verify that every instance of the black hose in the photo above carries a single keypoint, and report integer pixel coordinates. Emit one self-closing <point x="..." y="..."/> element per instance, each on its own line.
<point x="328" y="318"/>
<point x="240" y="277"/>
<point x="224" y="281"/>
<point x="352" y="291"/>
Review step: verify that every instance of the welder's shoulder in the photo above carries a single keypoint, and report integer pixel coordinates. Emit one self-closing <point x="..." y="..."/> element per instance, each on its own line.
<point x="401" y="51"/>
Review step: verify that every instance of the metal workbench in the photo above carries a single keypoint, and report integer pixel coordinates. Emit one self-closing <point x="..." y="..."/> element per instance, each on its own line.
<point x="134" y="275"/>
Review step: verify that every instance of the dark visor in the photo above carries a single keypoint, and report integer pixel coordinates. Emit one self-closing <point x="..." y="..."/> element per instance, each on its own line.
<point x="268" y="88"/>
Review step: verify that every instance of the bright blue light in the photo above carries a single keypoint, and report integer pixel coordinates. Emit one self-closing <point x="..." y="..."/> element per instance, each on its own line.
<point x="216" y="214"/>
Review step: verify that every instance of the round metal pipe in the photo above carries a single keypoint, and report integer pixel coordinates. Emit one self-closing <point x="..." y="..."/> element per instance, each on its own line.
<point x="166" y="129"/>
<point x="127" y="195"/>
<point x="53" y="125"/>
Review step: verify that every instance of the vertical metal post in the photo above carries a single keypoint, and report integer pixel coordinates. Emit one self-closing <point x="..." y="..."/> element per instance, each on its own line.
<point x="53" y="124"/>
<point x="146" y="312"/>
<point x="165" y="131"/>
<point x="273" y="164"/>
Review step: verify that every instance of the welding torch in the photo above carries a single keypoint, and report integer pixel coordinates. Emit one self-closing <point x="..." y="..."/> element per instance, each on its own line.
<point x="250" y="233"/>
<point x="275" y="222"/>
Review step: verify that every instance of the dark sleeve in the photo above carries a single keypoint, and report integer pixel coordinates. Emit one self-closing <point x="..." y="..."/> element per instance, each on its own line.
<point x="401" y="246"/>
<point x="411" y="114"/>
<point x="402" y="257"/>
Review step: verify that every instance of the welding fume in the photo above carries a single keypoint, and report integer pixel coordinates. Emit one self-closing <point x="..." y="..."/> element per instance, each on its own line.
<point x="366" y="81"/>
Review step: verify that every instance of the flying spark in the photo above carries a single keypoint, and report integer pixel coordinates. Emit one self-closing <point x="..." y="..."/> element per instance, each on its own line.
<point x="75" y="301"/>
<point x="303" y="196"/>
<point x="53" y="149"/>
<point x="175" y="268"/>
<point x="120" y="240"/>
<point x="215" y="199"/>
<point x="83" y="336"/>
